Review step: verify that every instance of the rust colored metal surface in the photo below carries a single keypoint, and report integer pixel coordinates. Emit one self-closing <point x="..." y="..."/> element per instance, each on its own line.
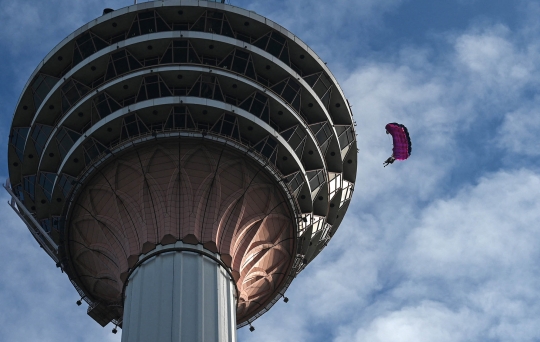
<point x="184" y="190"/>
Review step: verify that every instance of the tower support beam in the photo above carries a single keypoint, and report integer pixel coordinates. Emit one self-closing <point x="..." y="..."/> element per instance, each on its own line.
<point x="180" y="293"/>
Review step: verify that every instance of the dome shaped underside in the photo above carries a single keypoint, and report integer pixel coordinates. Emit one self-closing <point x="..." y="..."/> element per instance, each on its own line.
<point x="193" y="191"/>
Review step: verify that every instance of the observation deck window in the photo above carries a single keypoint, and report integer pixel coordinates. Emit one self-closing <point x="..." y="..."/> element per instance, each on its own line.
<point x="92" y="149"/>
<point x="65" y="140"/>
<point x="240" y="62"/>
<point x="104" y="105"/>
<point x="322" y="86"/>
<point x="215" y="22"/>
<point x="180" y="51"/>
<point x="46" y="181"/>
<point x="268" y="148"/>
<point x="147" y="22"/>
<point x="18" y="191"/>
<point x="276" y="44"/>
<point x="289" y="90"/>
<point x="40" y="134"/>
<point x="133" y="126"/>
<point x="72" y="91"/>
<point x="152" y="87"/>
<point x="316" y="178"/>
<point x="86" y="45"/>
<point x="41" y="87"/>
<point x="322" y="132"/>
<point x="17" y="138"/>
<point x="46" y="225"/>
<point x="58" y="223"/>
<point x="296" y="138"/>
<point x="66" y="183"/>
<point x="207" y="87"/>
<point x="295" y="181"/>
<point x="346" y="137"/>
<point x="29" y="184"/>
<point x="227" y="125"/>
<point x="258" y="105"/>
<point x="120" y="63"/>
<point x="180" y="117"/>
<point x="347" y="192"/>
<point x="334" y="183"/>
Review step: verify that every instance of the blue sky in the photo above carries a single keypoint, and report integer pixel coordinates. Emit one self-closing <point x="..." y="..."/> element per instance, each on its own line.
<point x="442" y="247"/>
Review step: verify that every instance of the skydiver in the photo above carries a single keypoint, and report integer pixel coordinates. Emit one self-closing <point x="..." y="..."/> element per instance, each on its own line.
<point x="389" y="161"/>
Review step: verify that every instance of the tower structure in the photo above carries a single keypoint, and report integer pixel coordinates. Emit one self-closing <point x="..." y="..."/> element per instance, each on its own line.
<point x="181" y="161"/>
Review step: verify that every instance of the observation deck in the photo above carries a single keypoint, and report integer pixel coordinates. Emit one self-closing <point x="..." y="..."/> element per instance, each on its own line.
<point x="185" y="121"/>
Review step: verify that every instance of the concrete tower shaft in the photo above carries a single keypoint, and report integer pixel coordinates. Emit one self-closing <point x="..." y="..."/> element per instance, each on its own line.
<point x="176" y="123"/>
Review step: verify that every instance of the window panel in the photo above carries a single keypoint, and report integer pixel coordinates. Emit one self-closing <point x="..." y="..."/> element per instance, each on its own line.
<point x="40" y="134"/>
<point x="45" y="181"/>
<point x="29" y="185"/>
<point x="41" y="87"/>
<point x="65" y="139"/>
<point x="133" y="126"/>
<point x="86" y="45"/>
<point x="92" y="149"/>
<point x="17" y="138"/>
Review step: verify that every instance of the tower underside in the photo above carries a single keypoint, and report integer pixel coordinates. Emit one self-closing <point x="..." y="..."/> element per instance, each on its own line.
<point x="185" y="122"/>
<point x="193" y="190"/>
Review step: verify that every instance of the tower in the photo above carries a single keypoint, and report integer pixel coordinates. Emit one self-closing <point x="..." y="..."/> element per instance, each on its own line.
<point x="182" y="162"/>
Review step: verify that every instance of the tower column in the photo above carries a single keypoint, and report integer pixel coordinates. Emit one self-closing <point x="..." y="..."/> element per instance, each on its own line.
<point x="179" y="292"/>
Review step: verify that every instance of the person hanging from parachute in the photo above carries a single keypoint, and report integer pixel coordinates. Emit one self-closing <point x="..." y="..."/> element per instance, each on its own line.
<point x="402" y="142"/>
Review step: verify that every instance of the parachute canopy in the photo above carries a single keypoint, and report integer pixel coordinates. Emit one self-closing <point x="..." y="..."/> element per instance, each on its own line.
<point x="402" y="141"/>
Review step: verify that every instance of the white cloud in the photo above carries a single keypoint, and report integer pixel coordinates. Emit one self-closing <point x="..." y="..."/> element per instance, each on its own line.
<point x="426" y="322"/>
<point x="38" y="300"/>
<point x="519" y="130"/>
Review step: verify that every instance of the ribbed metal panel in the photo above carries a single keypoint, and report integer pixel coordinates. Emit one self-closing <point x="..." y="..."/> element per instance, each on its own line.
<point x="180" y="296"/>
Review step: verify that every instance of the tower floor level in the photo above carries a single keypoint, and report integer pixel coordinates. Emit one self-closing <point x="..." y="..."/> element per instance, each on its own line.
<point x="168" y="131"/>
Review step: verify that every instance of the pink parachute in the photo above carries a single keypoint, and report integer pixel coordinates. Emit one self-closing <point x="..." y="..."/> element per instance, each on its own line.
<point x="402" y="142"/>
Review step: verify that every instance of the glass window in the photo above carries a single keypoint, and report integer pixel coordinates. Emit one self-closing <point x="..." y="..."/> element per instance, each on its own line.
<point x="276" y="44"/>
<point x="133" y="126"/>
<point x="346" y="137"/>
<point x="58" y="223"/>
<point x="46" y="180"/>
<point x="92" y="149"/>
<point x="41" y="87"/>
<point x="29" y="185"/>
<point x="268" y="148"/>
<point x="227" y="125"/>
<point x="180" y="117"/>
<point x="289" y="90"/>
<point x="17" y="138"/>
<point x="120" y="63"/>
<point x="72" y="91"/>
<point x="258" y="105"/>
<point x="152" y="87"/>
<point x="46" y="225"/>
<point x="65" y="183"/>
<point x="241" y="62"/>
<point x="87" y="44"/>
<point x="316" y="178"/>
<point x="215" y="22"/>
<point x="147" y="22"/>
<point x="295" y="181"/>
<point x="40" y="134"/>
<point x="65" y="140"/>
<point x="104" y="105"/>
<point x="207" y="87"/>
<point x="322" y="131"/>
